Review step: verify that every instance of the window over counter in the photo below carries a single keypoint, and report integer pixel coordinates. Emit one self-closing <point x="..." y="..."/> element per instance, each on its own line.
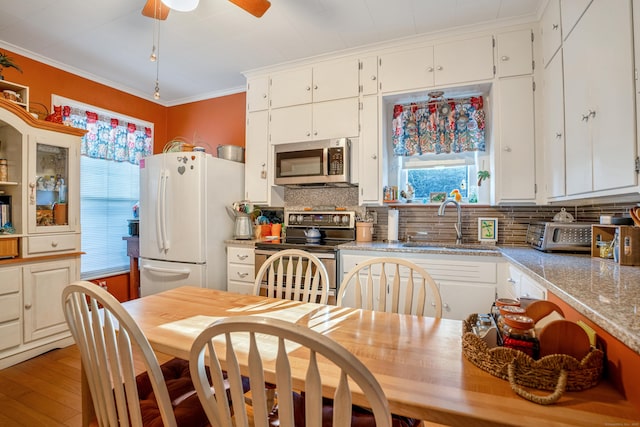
<point x="109" y="187"/>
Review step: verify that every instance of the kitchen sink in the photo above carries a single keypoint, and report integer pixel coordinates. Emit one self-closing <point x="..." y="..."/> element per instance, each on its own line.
<point x="451" y="246"/>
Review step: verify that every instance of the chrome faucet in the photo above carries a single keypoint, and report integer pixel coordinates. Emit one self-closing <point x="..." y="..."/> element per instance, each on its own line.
<point x="458" y="225"/>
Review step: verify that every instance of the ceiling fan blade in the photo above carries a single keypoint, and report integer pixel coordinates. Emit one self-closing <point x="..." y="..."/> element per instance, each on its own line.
<point x="255" y="7"/>
<point x="155" y="9"/>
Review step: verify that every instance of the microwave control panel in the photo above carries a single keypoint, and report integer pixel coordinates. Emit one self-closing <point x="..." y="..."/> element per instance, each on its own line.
<point x="336" y="161"/>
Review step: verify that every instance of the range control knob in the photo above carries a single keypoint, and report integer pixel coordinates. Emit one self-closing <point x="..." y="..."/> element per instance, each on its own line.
<point x="336" y="219"/>
<point x="345" y="219"/>
<point x="300" y="218"/>
<point x="292" y="219"/>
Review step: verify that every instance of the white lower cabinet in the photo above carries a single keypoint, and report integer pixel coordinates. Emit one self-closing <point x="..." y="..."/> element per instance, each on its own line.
<point x="467" y="284"/>
<point x="240" y="269"/>
<point x="31" y="316"/>
<point x="518" y="284"/>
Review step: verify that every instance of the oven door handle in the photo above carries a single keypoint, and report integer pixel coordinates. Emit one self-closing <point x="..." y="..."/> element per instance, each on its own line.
<point x="320" y="255"/>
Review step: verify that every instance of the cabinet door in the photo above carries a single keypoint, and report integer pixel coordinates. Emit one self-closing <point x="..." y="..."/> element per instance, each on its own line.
<point x="335" y="119"/>
<point x="516" y="163"/>
<point x="291" y="87"/>
<point x="406" y="70"/>
<point x="369" y="151"/>
<point x="256" y="179"/>
<point x="515" y="56"/>
<point x="551" y="31"/>
<point x="369" y="75"/>
<point x="53" y="193"/>
<point x="290" y="124"/>
<point x="571" y="11"/>
<point x="258" y="93"/>
<point x="459" y="300"/>
<point x="43" y="285"/>
<point x="554" y="129"/>
<point x="463" y="61"/>
<point x="335" y="80"/>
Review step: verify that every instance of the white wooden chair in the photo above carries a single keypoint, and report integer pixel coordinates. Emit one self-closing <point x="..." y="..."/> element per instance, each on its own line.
<point x="293" y="274"/>
<point x="229" y="338"/>
<point x="107" y="337"/>
<point x="391" y="285"/>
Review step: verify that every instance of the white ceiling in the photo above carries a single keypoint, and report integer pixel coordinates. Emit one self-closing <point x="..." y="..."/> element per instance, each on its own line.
<point x="204" y="52"/>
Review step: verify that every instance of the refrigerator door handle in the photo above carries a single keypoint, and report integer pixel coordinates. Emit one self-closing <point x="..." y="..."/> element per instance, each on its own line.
<point x="174" y="271"/>
<point x="165" y="239"/>
<point x="159" y="213"/>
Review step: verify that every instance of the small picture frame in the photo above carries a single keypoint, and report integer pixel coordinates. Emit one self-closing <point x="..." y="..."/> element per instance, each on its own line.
<point x="488" y="230"/>
<point x="437" y="197"/>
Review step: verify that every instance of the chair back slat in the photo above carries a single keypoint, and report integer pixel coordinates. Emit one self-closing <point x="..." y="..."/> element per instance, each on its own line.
<point x="106" y="336"/>
<point x="392" y="285"/>
<point x="293" y="274"/>
<point x="262" y="331"/>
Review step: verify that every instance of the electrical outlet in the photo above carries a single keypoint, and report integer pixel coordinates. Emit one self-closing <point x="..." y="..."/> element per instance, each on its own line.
<point x="102" y="284"/>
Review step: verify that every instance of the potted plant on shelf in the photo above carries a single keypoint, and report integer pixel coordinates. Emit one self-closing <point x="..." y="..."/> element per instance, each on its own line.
<point x="7" y="62"/>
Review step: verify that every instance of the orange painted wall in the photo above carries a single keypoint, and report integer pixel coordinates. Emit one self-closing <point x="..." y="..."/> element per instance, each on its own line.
<point x="215" y="121"/>
<point x="209" y="123"/>
<point x="622" y="363"/>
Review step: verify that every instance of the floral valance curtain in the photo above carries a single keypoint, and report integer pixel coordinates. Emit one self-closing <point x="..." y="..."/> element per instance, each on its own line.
<point x="438" y="127"/>
<point x="109" y="138"/>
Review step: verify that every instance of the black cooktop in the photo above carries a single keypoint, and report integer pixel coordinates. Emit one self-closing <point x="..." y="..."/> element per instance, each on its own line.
<point x="324" y="245"/>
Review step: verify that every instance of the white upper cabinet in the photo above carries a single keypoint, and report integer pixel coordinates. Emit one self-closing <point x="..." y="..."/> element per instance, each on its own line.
<point x="320" y="120"/>
<point x="442" y="64"/>
<point x="551" y="31"/>
<point x="600" y="101"/>
<point x="256" y="170"/>
<point x="571" y="11"/>
<point x="258" y="93"/>
<point x="514" y="53"/>
<point x="324" y="81"/>
<point x="516" y="158"/>
<point x="369" y="75"/>
<point x="553" y="134"/>
<point x="369" y="153"/>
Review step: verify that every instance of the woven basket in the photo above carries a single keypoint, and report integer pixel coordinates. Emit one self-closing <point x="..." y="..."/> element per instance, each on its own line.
<point x="558" y="372"/>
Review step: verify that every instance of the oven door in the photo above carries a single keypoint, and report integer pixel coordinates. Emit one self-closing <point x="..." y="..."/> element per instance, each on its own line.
<point x="328" y="260"/>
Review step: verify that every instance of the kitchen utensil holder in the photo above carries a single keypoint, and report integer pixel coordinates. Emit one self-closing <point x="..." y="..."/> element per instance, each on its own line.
<point x="557" y="372"/>
<point x="628" y="242"/>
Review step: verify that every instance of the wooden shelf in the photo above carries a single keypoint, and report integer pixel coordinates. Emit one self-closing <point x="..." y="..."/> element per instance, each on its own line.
<point x="21" y="90"/>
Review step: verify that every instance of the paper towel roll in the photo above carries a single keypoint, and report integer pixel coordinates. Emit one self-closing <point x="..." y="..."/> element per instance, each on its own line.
<point x="392" y="227"/>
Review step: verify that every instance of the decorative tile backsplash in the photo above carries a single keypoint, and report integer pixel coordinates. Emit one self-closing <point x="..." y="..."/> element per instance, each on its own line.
<point x="414" y="220"/>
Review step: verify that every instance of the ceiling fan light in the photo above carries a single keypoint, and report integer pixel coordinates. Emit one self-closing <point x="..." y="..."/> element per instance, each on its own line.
<point x="181" y="5"/>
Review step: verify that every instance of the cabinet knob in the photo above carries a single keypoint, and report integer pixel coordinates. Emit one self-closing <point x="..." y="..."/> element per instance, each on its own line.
<point x="446" y="306"/>
<point x="592" y="114"/>
<point x="510" y="280"/>
<point x="308" y="133"/>
<point x="308" y="88"/>
<point x="264" y="95"/>
<point x="315" y="87"/>
<point x="27" y="306"/>
<point x="430" y="69"/>
<point x="554" y="26"/>
<point x="374" y="156"/>
<point x="54" y="244"/>
<point x="315" y="133"/>
<point x="439" y="68"/>
<point x="504" y="58"/>
<point x="373" y="77"/>
<point x="507" y="149"/>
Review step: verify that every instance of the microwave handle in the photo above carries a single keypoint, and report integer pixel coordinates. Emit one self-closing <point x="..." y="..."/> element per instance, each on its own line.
<point x="325" y="166"/>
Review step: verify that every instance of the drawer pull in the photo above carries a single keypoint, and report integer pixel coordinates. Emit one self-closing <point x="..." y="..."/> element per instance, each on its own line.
<point x="242" y="275"/>
<point x="27" y="306"/>
<point x="510" y="280"/>
<point x="54" y="244"/>
<point x="242" y="257"/>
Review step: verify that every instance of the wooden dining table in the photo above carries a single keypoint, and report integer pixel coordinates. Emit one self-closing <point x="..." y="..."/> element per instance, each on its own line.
<point x="417" y="360"/>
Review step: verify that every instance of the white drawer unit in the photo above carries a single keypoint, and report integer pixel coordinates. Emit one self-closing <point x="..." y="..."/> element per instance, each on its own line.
<point x="10" y="307"/>
<point x="52" y="243"/>
<point x="520" y="285"/>
<point x="240" y="269"/>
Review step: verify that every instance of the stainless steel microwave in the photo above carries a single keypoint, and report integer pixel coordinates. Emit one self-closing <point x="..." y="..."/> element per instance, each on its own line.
<point x="313" y="163"/>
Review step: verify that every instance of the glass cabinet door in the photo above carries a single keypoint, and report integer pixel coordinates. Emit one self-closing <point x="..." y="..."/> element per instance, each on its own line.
<point x="50" y="176"/>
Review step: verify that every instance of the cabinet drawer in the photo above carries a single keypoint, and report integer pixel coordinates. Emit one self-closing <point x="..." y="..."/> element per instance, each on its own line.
<point x="9" y="307"/>
<point x="241" y="273"/>
<point x="9" y="335"/>
<point x="240" y="288"/>
<point x="240" y="255"/>
<point x="530" y="289"/>
<point x="53" y="243"/>
<point x="11" y="280"/>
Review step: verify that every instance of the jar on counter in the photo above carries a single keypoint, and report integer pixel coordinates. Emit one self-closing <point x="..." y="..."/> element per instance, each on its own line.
<point x="4" y="170"/>
<point x="518" y="333"/>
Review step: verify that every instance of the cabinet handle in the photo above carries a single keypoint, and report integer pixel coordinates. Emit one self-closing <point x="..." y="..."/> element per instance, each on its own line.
<point x="507" y="149"/>
<point x="316" y="87"/>
<point x="554" y="26"/>
<point x="373" y="156"/>
<point x="439" y="68"/>
<point x="32" y="196"/>
<point x="308" y="88"/>
<point x="510" y="280"/>
<point x="27" y="306"/>
<point x="430" y="69"/>
<point x="308" y="133"/>
<point x="315" y="133"/>
<point x="558" y="135"/>
<point x="264" y="95"/>
<point x="242" y="275"/>
<point x="446" y="306"/>
<point x="373" y="77"/>
<point x="592" y="114"/>
<point x="504" y="58"/>
<point x="585" y="117"/>
<point x="242" y="257"/>
<point x="54" y="244"/>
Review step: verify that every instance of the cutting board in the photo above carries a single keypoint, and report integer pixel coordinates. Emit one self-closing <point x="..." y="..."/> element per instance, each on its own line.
<point x="564" y="337"/>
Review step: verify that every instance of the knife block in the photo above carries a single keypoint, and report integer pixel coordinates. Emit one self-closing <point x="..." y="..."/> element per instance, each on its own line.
<point x="629" y="242"/>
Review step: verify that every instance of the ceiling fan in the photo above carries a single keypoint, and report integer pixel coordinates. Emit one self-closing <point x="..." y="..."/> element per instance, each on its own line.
<point x="159" y="9"/>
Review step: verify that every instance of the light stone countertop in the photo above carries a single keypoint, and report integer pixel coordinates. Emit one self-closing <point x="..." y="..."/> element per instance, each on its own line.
<point x="604" y="292"/>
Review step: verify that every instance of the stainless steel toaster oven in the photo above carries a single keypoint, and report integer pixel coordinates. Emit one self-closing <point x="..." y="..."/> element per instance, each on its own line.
<point x="560" y="236"/>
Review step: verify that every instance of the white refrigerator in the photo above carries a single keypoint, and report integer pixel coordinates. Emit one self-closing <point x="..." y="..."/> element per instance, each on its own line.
<point x="183" y="219"/>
